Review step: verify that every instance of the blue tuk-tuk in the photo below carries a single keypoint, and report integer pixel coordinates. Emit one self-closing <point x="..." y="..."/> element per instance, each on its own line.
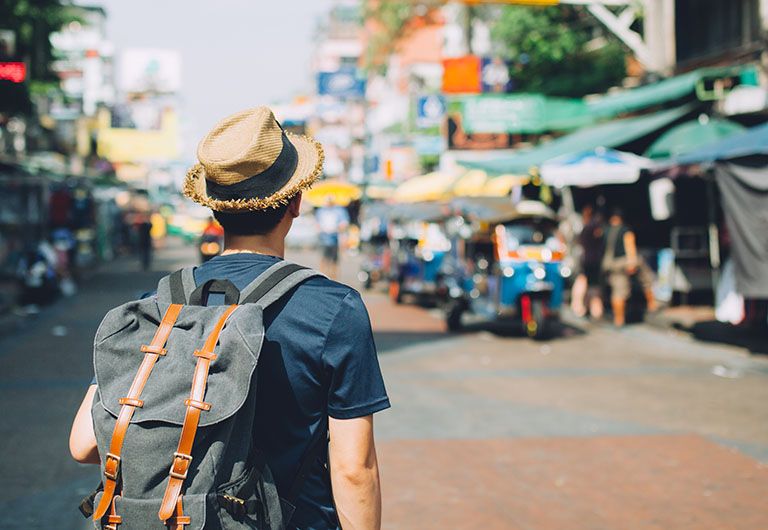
<point x="418" y="245"/>
<point x="507" y="264"/>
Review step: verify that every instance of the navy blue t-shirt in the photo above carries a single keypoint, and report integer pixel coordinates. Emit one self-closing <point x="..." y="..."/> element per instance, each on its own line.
<point x="318" y="350"/>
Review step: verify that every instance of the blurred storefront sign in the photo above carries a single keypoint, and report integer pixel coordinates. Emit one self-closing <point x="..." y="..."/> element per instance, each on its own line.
<point x="429" y="145"/>
<point x="133" y="145"/>
<point x="343" y="83"/>
<point x="495" y="75"/>
<point x="525" y="113"/>
<point x="15" y="72"/>
<point x="430" y="110"/>
<point x="461" y="75"/>
<point x="150" y="70"/>
<point x="458" y="138"/>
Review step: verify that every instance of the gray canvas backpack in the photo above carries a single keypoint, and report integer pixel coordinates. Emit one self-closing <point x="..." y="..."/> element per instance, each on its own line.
<point x="174" y="411"/>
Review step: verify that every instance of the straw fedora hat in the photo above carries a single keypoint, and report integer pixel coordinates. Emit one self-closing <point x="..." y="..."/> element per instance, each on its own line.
<point x="247" y="162"/>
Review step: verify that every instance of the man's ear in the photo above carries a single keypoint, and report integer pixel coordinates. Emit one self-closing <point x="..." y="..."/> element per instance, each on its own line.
<point x="294" y="206"/>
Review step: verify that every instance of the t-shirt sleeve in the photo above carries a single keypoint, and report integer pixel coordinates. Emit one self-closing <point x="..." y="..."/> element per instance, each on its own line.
<point x="356" y="387"/>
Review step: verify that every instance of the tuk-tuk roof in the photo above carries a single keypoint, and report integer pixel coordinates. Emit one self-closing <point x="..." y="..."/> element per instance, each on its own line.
<point x="417" y="211"/>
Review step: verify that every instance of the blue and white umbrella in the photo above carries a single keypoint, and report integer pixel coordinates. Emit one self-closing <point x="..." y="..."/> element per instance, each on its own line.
<point x="593" y="168"/>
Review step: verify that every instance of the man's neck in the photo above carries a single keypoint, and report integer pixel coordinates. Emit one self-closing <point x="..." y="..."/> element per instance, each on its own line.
<point x="269" y="244"/>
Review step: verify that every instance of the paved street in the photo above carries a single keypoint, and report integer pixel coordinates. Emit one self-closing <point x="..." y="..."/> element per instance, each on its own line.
<point x="640" y="428"/>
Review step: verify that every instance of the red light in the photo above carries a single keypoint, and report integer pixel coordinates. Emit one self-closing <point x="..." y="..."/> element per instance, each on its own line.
<point x="15" y="72"/>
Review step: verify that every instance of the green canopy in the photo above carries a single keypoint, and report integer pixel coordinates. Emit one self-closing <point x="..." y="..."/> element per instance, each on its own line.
<point x="666" y="90"/>
<point x="610" y="134"/>
<point x="691" y="135"/>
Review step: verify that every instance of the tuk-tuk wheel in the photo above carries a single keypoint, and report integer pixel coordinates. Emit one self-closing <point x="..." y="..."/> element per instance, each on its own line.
<point x="537" y="326"/>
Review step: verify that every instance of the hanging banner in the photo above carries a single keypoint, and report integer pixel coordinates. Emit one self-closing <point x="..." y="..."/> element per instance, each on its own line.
<point x="524" y="113"/>
<point x="461" y="75"/>
<point x="495" y="75"/>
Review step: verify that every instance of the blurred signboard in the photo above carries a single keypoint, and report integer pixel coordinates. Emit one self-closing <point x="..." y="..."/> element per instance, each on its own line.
<point x="495" y="75"/>
<point x="524" y="113"/>
<point x="459" y="138"/>
<point x="14" y="72"/>
<point x="426" y="145"/>
<point x="134" y="145"/>
<point x="150" y="70"/>
<point x="343" y="83"/>
<point x="461" y="75"/>
<point x="430" y="110"/>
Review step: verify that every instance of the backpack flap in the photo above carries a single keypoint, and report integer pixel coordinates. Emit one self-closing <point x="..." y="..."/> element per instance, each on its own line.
<point x="117" y="357"/>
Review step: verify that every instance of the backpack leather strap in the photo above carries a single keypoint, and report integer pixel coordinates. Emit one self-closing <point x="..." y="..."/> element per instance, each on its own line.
<point x="113" y="519"/>
<point x="178" y="520"/>
<point x="183" y="455"/>
<point x="130" y="402"/>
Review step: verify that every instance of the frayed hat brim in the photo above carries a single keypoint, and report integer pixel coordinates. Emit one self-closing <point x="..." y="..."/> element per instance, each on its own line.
<point x="308" y="170"/>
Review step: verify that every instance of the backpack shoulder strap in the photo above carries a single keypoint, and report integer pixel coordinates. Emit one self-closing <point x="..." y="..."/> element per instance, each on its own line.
<point x="177" y="286"/>
<point x="274" y="282"/>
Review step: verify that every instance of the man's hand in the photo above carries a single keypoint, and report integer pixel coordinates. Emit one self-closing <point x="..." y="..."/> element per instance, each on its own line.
<point x="355" y="473"/>
<point x="82" y="440"/>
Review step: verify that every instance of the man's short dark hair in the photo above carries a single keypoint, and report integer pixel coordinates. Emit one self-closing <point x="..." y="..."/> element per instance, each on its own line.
<point x="251" y="223"/>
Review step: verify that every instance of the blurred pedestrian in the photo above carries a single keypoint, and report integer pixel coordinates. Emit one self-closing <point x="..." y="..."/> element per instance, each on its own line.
<point x="587" y="287"/>
<point x="621" y="263"/>
<point x="144" y="240"/>
<point x="332" y="220"/>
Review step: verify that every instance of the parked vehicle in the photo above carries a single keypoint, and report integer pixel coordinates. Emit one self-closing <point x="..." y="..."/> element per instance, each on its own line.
<point x="507" y="264"/>
<point x="418" y="244"/>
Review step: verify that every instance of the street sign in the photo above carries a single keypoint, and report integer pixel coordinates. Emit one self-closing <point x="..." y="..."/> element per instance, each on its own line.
<point x="430" y="110"/>
<point x="343" y="83"/>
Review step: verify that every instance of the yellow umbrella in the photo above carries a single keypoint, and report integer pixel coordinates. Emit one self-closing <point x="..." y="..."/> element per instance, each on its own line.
<point x="340" y="192"/>
<point x="502" y="186"/>
<point x="470" y="184"/>
<point x="429" y="187"/>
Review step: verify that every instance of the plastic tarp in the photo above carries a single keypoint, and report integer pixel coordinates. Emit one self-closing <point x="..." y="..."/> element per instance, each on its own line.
<point x="691" y="135"/>
<point x="609" y="134"/>
<point x="744" y="191"/>
<point x="753" y="141"/>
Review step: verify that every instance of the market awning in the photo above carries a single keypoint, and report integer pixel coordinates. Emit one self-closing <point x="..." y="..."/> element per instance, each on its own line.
<point x="753" y="141"/>
<point x="691" y="135"/>
<point x="503" y="185"/>
<point x="664" y="91"/>
<point x="430" y="187"/>
<point x="470" y="184"/>
<point x="610" y="134"/>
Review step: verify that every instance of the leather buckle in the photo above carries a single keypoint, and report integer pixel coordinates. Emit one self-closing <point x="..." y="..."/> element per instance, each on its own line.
<point x="205" y="354"/>
<point x="112" y="473"/>
<point x="153" y="349"/>
<point x="184" y="461"/>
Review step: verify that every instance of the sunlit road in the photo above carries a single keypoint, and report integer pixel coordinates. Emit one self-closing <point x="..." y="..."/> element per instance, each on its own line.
<point x="599" y="429"/>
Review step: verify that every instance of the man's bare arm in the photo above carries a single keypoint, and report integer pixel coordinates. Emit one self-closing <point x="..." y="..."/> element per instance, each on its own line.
<point x="82" y="440"/>
<point x="630" y="246"/>
<point x="355" y="473"/>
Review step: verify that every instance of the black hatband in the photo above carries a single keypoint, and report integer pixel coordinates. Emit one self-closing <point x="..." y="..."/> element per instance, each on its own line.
<point x="262" y="184"/>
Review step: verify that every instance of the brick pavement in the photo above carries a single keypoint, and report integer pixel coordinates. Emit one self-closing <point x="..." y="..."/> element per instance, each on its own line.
<point x="600" y="429"/>
<point x="605" y="429"/>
